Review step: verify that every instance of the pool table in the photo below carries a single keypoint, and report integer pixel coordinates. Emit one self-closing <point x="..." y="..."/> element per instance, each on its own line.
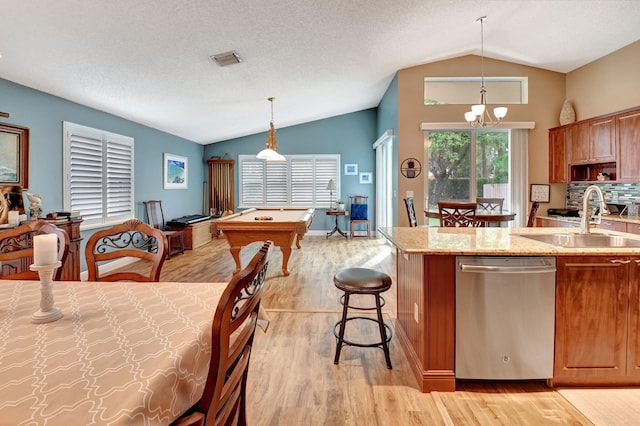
<point x="283" y="226"/>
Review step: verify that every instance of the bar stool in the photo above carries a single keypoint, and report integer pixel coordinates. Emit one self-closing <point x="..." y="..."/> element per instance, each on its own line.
<point x="362" y="281"/>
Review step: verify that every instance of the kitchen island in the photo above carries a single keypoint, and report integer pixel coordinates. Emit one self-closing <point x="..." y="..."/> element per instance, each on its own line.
<point x="597" y="302"/>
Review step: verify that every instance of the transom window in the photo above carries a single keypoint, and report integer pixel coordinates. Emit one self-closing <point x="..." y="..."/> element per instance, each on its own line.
<point x="301" y="181"/>
<point x="466" y="90"/>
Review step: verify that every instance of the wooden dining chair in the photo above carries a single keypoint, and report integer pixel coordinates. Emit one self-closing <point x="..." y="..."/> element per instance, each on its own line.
<point x="155" y="217"/>
<point x="490" y="204"/>
<point x="131" y="239"/>
<point x="234" y="323"/>
<point x="16" y="250"/>
<point x="457" y="213"/>
<point x="411" y="212"/>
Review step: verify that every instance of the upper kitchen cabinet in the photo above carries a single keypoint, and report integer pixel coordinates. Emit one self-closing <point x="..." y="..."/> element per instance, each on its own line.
<point x="602" y="140"/>
<point x="608" y="145"/>
<point x="628" y="136"/>
<point x="558" y="164"/>
<point x="593" y="141"/>
<point x="579" y="143"/>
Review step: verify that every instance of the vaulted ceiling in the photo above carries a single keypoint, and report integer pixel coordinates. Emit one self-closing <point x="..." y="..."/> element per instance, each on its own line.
<point x="149" y="60"/>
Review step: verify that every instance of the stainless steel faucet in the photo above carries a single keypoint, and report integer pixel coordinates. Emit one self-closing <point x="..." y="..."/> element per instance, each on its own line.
<point x="584" y="222"/>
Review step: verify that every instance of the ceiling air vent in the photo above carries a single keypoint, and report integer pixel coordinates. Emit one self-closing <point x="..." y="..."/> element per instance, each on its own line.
<point x="227" y="58"/>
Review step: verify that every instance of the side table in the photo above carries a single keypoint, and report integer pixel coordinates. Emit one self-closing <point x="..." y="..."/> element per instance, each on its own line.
<point x="337" y="214"/>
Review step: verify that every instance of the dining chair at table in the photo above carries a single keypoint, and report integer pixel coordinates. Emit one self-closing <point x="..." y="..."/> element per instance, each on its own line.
<point x="155" y="217"/>
<point x="457" y="213"/>
<point x="411" y="212"/>
<point x="131" y="239"/>
<point x="16" y="249"/>
<point x="234" y="324"/>
<point x="490" y="204"/>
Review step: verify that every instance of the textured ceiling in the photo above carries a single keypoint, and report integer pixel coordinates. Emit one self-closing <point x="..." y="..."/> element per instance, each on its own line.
<point x="149" y="60"/>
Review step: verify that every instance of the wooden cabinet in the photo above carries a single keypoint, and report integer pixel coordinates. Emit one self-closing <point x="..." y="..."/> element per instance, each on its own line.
<point x="628" y="138"/>
<point x="633" y="228"/>
<point x="558" y="164"/>
<point x="221" y="192"/>
<point x="593" y="141"/>
<point x="596" y="325"/>
<point x="195" y="235"/>
<point x="546" y="222"/>
<point x="612" y="225"/>
<point x="71" y="266"/>
<point x="602" y="140"/>
<point x="608" y="144"/>
<point x="578" y="143"/>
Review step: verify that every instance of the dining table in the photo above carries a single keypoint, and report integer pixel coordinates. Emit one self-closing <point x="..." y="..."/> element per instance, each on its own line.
<point x="123" y="353"/>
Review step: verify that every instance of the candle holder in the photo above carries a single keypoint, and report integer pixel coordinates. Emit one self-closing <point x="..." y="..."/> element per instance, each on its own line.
<point x="47" y="312"/>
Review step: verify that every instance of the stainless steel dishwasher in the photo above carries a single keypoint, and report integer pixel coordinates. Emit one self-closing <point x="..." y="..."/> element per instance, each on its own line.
<point x="505" y="315"/>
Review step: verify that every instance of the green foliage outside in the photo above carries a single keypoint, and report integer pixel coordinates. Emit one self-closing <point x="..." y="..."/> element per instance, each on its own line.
<point x="450" y="163"/>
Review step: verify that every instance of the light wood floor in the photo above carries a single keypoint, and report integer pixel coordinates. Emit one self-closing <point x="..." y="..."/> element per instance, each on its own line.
<point x="292" y="378"/>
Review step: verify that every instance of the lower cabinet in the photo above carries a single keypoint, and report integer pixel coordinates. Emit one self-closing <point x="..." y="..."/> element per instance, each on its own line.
<point x="612" y="225"/>
<point x="597" y="321"/>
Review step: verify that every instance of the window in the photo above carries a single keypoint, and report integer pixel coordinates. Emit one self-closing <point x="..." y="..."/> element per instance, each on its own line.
<point x="301" y="181"/>
<point x="467" y="164"/>
<point x="466" y="90"/>
<point x="98" y="175"/>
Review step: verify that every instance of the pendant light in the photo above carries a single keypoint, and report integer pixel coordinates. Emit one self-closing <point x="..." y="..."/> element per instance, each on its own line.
<point x="270" y="153"/>
<point x="479" y="116"/>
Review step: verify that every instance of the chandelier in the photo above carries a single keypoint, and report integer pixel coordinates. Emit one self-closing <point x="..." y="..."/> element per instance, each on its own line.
<point x="270" y="153"/>
<point x="479" y="116"/>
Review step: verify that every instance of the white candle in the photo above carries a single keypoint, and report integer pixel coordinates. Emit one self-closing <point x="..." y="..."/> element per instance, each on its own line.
<point x="45" y="249"/>
<point x="14" y="217"/>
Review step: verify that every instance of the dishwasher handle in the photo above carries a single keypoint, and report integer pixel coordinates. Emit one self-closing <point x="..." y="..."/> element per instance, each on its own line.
<point x="529" y="269"/>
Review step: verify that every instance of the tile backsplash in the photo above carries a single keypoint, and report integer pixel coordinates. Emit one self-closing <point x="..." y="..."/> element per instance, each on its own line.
<point x="614" y="193"/>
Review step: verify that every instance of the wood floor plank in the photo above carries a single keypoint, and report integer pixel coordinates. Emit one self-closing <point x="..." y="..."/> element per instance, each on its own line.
<point x="292" y="378"/>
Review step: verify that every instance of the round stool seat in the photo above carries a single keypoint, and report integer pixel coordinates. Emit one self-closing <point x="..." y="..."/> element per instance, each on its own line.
<point x="366" y="282"/>
<point x="362" y="280"/>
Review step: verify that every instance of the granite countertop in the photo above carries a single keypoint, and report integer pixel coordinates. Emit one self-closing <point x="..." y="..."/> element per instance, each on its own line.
<point x="611" y="217"/>
<point x="492" y="241"/>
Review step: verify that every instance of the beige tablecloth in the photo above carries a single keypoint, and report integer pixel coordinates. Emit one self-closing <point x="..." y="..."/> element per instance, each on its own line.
<point x="123" y="354"/>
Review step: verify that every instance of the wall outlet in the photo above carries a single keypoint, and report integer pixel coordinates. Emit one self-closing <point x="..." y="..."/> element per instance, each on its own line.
<point x="415" y="312"/>
<point x="409" y="194"/>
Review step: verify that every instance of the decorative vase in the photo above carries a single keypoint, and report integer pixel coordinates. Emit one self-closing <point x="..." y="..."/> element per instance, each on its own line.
<point x="567" y="113"/>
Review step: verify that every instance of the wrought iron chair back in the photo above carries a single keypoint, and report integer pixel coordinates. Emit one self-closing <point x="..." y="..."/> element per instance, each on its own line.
<point x="132" y="239"/>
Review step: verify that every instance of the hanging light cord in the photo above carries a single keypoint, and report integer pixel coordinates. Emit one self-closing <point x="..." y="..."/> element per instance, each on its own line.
<point x="481" y="19"/>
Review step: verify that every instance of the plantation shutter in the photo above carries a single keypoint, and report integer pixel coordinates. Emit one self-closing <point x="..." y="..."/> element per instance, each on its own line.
<point x="98" y="170"/>
<point x="301" y="181"/>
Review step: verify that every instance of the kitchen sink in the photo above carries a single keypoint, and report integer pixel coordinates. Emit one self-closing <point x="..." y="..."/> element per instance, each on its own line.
<point x="585" y="240"/>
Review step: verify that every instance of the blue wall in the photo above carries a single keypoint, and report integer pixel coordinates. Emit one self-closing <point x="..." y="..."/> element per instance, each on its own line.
<point x="43" y="114"/>
<point x="388" y="120"/>
<point x="350" y="135"/>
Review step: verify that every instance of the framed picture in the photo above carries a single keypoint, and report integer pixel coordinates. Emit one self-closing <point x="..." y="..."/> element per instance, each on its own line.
<point x="14" y="155"/>
<point x="539" y="193"/>
<point x="351" y="169"/>
<point x="175" y="172"/>
<point x="366" y="177"/>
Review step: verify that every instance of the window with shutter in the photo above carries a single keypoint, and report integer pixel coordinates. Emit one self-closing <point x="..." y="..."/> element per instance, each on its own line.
<point x="301" y="181"/>
<point x="98" y="170"/>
